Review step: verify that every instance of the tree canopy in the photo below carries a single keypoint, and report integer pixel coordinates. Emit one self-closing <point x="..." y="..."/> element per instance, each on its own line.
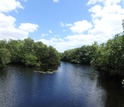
<point x="107" y="57"/>
<point x="81" y="55"/>
<point x="27" y="52"/>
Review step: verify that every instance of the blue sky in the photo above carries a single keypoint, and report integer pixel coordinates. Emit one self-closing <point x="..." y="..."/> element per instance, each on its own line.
<point x="64" y="24"/>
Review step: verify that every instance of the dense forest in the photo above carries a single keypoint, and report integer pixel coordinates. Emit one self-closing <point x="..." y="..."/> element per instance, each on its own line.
<point x="81" y="55"/>
<point x="107" y="57"/>
<point x="27" y="52"/>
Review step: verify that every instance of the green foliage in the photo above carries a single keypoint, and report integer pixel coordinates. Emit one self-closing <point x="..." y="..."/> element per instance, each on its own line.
<point x="4" y="57"/>
<point x="100" y="59"/>
<point x="122" y="82"/>
<point x="3" y="44"/>
<point x="27" y="52"/>
<point x="15" y="50"/>
<point x="107" y="58"/>
<point x="42" y="52"/>
<point x="110" y="57"/>
<point x="53" y="58"/>
<point x="30" y="60"/>
<point x="81" y="55"/>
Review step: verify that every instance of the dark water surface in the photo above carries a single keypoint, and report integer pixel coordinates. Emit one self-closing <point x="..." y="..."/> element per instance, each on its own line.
<point x="71" y="86"/>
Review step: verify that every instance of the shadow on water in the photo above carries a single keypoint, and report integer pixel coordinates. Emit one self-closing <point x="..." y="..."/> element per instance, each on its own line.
<point x="114" y="91"/>
<point x="71" y="86"/>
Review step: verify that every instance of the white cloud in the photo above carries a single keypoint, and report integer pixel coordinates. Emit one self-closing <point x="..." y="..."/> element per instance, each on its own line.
<point x="57" y="43"/>
<point x="81" y="26"/>
<point x="28" y="27"/>
<point x="105" y="2"/>
<point x="65" y="24"/>
<point x="8" y="29"/>
<point x="73" y="41"/>
<point x="50" y="32"/>
<point x="44" y="34"/>
<point x="106" y="21"/>
<point x="9" y="5"/>
<point x="96" y="11"/>
<point x="6" y="21"/>
<point x="55" y="1"/>
<point x="93" y="2"/>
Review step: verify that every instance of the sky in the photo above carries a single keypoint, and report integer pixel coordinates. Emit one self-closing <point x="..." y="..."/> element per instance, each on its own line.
<point x="63" y="24"/>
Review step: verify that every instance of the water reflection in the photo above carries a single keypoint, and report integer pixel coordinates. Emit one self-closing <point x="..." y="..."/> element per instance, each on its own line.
<point x="71" y="86"/>
<point x="114" y="91"/>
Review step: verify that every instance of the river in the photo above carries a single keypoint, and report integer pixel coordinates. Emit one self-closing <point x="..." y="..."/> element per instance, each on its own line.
<point x="71" y="86"/>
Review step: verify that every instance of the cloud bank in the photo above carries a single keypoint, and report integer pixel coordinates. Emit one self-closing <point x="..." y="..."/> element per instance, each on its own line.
<point x="8" y="29"/>
<point x="106" y="21"/>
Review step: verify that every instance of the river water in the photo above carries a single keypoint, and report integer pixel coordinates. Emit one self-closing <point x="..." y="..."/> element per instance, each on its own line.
<point x="71" y="86"/>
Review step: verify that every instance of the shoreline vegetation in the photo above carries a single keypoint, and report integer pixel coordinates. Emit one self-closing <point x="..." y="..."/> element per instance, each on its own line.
<point x="107" y="58"/>
<point x="29" y="53"/>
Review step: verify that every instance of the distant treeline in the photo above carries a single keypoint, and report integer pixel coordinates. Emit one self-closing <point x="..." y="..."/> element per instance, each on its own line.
<point x="107" y="57"/>
<point x="27" y="52"/>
